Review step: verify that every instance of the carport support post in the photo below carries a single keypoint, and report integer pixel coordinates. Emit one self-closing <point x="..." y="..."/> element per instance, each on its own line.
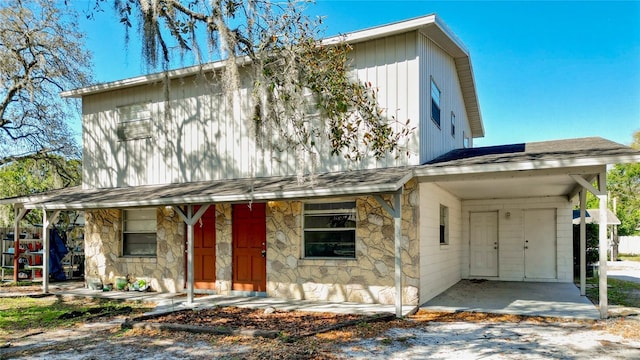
<point x="603" y="246"/>
<point x="396" y="212"/>
<point x="46" y="242"/>
<point x="601" y="193"/>
<point x="20" y="212"/>
<point x="583" y="242"/>
<point x="190" y="219"/>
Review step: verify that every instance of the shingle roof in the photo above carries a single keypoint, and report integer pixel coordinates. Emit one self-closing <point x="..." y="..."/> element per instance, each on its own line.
<point x="235" y="190"/>
<point x="556" y="150"/>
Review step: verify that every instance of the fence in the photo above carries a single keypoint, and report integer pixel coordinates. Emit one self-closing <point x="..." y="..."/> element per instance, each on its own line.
<point x="629" y="245"/>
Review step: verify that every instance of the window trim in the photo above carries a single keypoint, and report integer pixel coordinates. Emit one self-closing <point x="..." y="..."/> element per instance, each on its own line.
<point x="134" y="121"/>
<point x="305" y="212"/>
<point x="437" y="104"/>
<point x="443" y="228"/>
<point x="124" y="232"/>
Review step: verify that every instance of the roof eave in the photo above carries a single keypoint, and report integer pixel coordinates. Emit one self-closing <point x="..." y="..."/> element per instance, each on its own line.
<point x="524" y="165"/>
<point x="358" y="190"/>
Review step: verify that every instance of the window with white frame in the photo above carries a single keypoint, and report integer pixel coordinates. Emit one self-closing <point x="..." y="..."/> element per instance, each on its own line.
<point x="444" y="225"/>
<point x="139" y="232"/>
<point x="134" y="122"/>
<point x="453" y="124"/>
<point x="465" y="140"/>
<point x="330" y="230"/>
<point x="435" y="103"/>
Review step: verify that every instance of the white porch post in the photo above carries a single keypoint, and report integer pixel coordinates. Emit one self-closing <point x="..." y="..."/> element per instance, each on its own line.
<point x="583" y="242"/>
<point x="46" y="224"/>
<point x="601" y="193"/>
<point x="190" y="255"/>
<point x="603" y="246"/>
<point x="396" y="212"/>
<point x="20" y="212"/>
<point x="190" y="219"/>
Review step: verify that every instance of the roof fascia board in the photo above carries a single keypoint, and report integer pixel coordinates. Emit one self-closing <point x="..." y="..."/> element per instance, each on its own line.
<point x="262" y="196"/>
<point x="151" y="78"/>
<point x="513" y="174"/>
<point x="525" y="165"/>
<point x="384" y="30"/>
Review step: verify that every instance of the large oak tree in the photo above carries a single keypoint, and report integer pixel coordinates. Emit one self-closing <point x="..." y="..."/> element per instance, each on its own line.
<point x="41" y="53"/>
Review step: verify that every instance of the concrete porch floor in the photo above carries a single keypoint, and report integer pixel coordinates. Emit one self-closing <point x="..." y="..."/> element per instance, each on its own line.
<point x="561" y="300"/>
<point x="166" y="302"/>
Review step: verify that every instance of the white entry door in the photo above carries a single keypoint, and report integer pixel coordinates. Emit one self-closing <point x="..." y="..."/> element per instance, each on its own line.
<point x="540" y="244"/>
<point x="483" y="247"/>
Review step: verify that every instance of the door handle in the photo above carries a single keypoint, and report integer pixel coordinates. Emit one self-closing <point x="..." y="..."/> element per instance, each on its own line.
<point x="264" y="253"/>
<point x="526" y="247"/>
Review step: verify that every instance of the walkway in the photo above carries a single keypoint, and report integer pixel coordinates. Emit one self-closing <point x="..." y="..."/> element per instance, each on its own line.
<point x="166" y="302"/>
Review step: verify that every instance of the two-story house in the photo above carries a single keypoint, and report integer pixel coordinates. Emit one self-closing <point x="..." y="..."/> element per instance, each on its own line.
<point x="176" y="191"/>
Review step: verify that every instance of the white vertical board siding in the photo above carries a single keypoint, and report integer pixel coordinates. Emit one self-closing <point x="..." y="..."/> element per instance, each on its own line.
<point x="437" y="64"/>
<point x="440" y="265"/>
<point x="200" y="134"/>
<point x="391" y="66"/>
<point x="511" y="234"/>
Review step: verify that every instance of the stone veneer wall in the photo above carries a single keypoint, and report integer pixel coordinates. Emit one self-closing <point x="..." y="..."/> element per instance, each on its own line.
<point x="369" y="278"/>
<point x="224" y="259"/>
<point x="103" y="251"/>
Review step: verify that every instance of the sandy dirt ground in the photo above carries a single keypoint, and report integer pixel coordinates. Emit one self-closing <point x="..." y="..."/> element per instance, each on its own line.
<point x="433" y="340"/>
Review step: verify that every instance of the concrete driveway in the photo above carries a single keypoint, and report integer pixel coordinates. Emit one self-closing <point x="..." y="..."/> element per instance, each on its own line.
<point x="522" y="298"/>
<point x="624" y="270"/>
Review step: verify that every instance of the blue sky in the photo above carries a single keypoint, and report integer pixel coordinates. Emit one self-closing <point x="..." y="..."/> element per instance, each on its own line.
<point x="544" y="70"/>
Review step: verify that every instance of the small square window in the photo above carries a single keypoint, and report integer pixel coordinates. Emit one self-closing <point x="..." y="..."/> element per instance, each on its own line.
<point x="134" y="122"/>
<point x="444" y="225"/>
<point x="330" y="230"/>
<point x="435" y="103"/>
<point x="139" y="232"/>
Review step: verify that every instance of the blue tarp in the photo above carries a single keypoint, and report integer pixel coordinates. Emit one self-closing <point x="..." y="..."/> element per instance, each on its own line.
<point x="57" y="252"/>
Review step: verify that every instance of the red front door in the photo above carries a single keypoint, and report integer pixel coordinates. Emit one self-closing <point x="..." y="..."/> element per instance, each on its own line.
<point x="249" y="248"/>
<point x="204" y="250"/>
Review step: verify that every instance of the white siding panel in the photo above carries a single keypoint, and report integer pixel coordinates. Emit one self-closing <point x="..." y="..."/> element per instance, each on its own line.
<point x="200" y="134"/>
<point x="437" y="64"/>
<point x="511" y="234"/>
<point x="440" y="265"/>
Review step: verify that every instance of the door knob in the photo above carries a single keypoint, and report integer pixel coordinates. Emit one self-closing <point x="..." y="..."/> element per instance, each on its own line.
<point x="526" y="247"/>
<point x="264" y="253"/>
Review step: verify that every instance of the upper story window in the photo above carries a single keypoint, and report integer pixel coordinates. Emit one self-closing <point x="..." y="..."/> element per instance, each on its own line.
<point x="134" y="122"/>
<point x="435" y="103"/>
<point x="139" y="232"/>
<point x="330" y="230"/>
<point x="453" y="124"/>
<point x="444" y="225"/>
<point x="465" y="140"/>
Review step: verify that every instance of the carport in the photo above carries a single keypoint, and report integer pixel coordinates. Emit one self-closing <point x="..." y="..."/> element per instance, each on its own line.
<point x="561" y="300"/>
<point x="564" y="169"/>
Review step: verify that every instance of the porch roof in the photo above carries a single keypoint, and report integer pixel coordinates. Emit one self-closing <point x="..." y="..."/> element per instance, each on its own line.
<point x="526" y="169"/>
<point x="362" y="182"/>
